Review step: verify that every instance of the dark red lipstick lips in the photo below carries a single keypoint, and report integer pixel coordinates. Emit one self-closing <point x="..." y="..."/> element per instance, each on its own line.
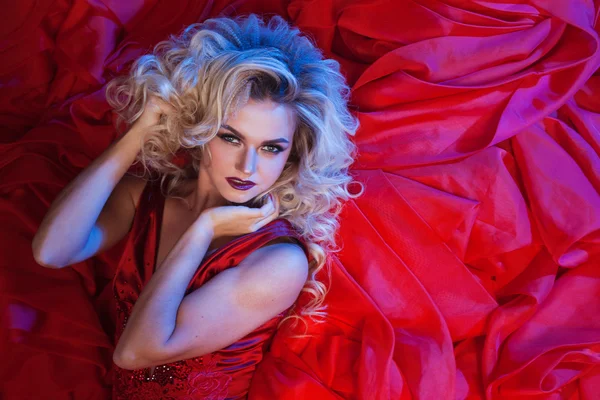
<point x="240" y="184"/>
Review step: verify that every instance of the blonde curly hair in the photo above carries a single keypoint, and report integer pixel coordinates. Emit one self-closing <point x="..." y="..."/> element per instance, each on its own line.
<point x="210" y="71"/>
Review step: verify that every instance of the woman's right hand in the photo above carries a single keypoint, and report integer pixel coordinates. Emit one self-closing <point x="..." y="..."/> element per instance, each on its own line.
<point x="239" y="220"/>
<point x="154" y="109"/>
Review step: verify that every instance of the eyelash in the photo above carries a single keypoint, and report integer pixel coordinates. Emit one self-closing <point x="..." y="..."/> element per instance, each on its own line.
<point x="225" y="137"/>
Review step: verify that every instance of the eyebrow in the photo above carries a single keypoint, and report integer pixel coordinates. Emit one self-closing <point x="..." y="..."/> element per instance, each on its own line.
<point x="280" y="140"/>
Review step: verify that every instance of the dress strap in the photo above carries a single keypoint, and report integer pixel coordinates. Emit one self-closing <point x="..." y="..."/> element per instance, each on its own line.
<point x="151" y="200"/>
<point x="235" y="251"/>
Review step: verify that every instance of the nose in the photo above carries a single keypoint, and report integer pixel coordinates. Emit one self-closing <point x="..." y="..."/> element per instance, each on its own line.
<point x="247" y="162"/>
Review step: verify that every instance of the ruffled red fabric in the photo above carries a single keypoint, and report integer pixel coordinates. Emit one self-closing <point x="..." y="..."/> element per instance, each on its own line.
<point x="470" y="265"/>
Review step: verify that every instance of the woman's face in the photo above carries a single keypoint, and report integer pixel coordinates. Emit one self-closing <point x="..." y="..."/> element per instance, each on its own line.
<point x="252" y="146"/>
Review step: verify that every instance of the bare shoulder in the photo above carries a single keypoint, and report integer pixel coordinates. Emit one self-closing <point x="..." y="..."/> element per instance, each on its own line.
<point x="277" y="269"/>
<point x="284" y="247"/>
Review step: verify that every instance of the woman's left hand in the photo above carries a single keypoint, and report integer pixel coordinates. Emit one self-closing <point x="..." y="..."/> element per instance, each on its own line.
<point x="239" y="220"/>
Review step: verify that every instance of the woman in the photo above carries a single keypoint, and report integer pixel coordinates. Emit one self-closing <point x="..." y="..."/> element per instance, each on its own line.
<point x="262" y="120"/>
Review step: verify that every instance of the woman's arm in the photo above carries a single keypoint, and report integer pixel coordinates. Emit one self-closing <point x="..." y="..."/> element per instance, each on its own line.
<point x="68" y="232"/>
<point x="67" y="225"/>
<point x="165" y="327"/>
<point x="153" y="317"/>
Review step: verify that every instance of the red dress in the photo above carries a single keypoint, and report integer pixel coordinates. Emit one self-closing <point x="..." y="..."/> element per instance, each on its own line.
<point x="224" y="374"/>
<point x="469" y="266"/>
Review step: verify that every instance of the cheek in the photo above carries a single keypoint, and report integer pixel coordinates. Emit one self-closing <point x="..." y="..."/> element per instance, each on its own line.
<point x="273" y="167"/>
<point x="221" y="156"/>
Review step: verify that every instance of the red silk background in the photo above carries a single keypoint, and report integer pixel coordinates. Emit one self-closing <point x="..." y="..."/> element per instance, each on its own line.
<point x="470" y="266"/>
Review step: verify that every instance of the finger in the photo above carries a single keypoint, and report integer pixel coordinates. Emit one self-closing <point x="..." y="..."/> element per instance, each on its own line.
<point x="272" y="215"/>
<point x="268" y="207"/>
<point x="277" y="204"/>
<point x="166" y="108"/>
<point x="262" y="212"/>
<point x="261" y="218"/>
<point x="265" y="221"/>
<point x="249" y="215"/>
<point x="161" y="106"/>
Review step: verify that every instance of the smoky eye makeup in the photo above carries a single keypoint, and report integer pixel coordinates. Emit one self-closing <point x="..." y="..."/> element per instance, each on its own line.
<point x="228" y="137"/>
<point x="272" y="148"/>
<point x="276" y="148"/>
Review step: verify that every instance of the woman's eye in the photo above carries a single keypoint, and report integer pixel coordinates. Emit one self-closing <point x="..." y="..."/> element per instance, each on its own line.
<point x="273" y="149"/>
<point x="229" y="138"/>
<point x="234" y="140"/>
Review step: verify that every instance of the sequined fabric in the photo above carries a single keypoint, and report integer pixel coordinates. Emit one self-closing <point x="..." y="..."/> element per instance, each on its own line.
<point x="224" y="374"/>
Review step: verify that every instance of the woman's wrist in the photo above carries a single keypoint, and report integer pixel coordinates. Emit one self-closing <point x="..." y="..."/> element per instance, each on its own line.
<point x="136" y="131"/>
<point x="204" y="224"/>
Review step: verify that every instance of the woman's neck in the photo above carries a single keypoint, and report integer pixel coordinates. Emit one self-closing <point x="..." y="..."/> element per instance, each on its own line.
<point x="202" y="194"/>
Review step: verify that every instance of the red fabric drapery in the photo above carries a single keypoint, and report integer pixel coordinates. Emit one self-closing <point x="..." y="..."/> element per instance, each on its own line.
<point x="470" y="266"/>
